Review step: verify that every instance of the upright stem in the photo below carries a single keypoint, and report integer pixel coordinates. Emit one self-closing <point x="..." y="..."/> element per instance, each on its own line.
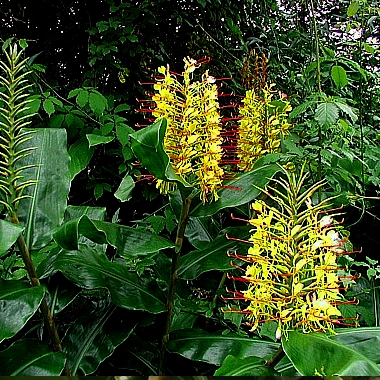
<point x="173" y="281"/>
<point x="44" y="307"/>
<point x="278" y="355"/>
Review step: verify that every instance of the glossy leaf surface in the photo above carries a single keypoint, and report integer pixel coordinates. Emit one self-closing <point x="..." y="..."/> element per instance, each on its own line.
<point x="238" y="191"/>
<point x="18" y="303"/>
<point x="94" y="337"/>
<point x="313" y="354"/>
<point x="45" y="209"/>
<point x="248" y="366"/>
<point x="214" y="255"/>
<point x="31" y="357"/>
<point x="80" y="153"/>
<point x="127" y="240"/>
<point x="196" y="344"/>
<point x="89" y="269"/>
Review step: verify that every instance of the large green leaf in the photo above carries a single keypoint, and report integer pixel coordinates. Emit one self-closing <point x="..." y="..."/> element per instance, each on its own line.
<point x="93" y="338"/>
<point x="238" y="191"/>
<point x="248" y="366"/>
<point x="80" y="153"/>
<point x="127" y="240"/>
<point x="18" y="303"/>
<point x="196" y="344"/>
<point x="9" y="233"/>
<point x="45" y="208"/>
<point x="123" y="193"/>
<point x="339" y="76"/>
<point x="326" y="114"/>
<point x="214" y="255"/>
<point x="364" y="340"/>
<point x="31" y="357"/>
<point x="313" y="354"/>
<point x="147" y="144"/>
<point x="89" y="269"/>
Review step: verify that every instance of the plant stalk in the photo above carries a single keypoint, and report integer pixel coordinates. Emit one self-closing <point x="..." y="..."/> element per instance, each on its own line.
<point x="174" y="278"/>
<point x="44" y="307"/>
<point x="275" y="359"/>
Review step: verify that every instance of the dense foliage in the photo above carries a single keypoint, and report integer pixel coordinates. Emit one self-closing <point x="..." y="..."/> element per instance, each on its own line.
<point x="189" y="187"/>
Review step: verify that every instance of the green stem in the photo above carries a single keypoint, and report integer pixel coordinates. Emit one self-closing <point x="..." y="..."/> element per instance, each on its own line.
<point x="174" y="279"/>
<point x="278" y="355"/>
<point x="44" y="307"/>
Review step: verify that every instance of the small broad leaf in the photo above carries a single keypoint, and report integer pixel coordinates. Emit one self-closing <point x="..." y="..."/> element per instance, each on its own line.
<point x="80" y="153"/>
<point x="82" y="98"/>
<point x="97" y="102"/>
<point x="326" y="114"/>
<point x="315" y="354"/>
<point x="122" y="133"/>
<point x="9" y="233"/>
<point x="248" y="366"/>
<point x="48" y="106"/>
<point x="94" y="140"/>
<point x="18" y="303"/>
<point x="123" y="193"/>
<point x="31" y="357"/>
<point x="353" y="8"/>
<point x="339" y="76"/>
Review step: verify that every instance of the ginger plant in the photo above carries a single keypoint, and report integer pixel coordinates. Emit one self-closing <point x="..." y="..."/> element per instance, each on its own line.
<point x="14" y="118"/>
<point x="293" y="274"/>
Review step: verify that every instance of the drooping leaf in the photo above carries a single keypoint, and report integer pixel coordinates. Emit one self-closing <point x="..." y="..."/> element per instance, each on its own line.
<point x="326" y="114"/>
<point x="9" y="233"/>
<point x="214" y="255"/>
<point x="147" y="144"/>
<point x="94" y="140"/>
<point x="89" y="269"/>
<point x="18" y="303"/>
<point x="80" y="153"/>
<point x="31" y="357"/>
<point x="93" y="338"/>
<point x="44" y="210"/>
<point x="248" y="366"/>
<point x="339" y="76"/>
<point x="238" y="191"/>
<point x="196" y="344"/>
<point x="123" y="193"/>
<point x="313" y="354"/>
<point x="127" y="240"/>
<point x="48" y="106"/>
<point x="347" y="110"/>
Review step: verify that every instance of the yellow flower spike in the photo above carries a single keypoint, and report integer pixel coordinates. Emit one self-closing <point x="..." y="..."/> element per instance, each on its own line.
<point x="292" y="262"/>
<point x="192" y="140"/>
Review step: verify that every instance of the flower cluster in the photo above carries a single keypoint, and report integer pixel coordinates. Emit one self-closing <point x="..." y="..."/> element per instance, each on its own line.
<point x="192" y="139"/>
<point x="292" y="270"/>
<point x="262" y="124"/>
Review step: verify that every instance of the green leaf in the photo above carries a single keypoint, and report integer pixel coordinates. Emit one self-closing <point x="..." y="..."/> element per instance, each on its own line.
<point x="314" y="353"/>
<point x="214" y="255"/>
<point x="196" y="344"/>
<point x="9" y="233"/>
<point x="80" y="153"/>
<point x="44" y="210"/>
<point x="238" y="191"/>
<point x="326" y="114"/>
<point x="121" y="108"/>
<point x="248" y="366"/>
<point x="147" y="144"/>
<point x="48" y="106"/>
<point x="89" y="269"/>
<point x="97" y="102"/>
<point x="94" y="140"/>
<point x="93" y="338"/>
<point x="18" y="303"/>
<point x="82" y="98"/>
<point x="31" y="357"/>
<point x="129" y="241"/>
<point x="353" y="8"/>
<point x="364" y="340"/>
<point x="339" y="76"/>
<point x="122" y="133"/>
<point x="124" y="191"/>
<point x="347" y="110"/>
